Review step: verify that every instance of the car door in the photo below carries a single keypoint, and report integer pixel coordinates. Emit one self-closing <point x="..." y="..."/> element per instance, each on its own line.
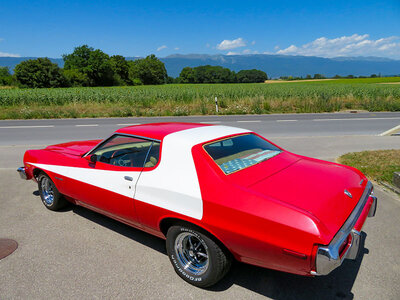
<point x="108" y="182"/>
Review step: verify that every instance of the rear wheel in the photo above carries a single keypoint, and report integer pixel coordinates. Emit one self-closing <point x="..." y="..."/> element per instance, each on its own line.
<point x="49" y="194"/>
<point x="196" y="257"/>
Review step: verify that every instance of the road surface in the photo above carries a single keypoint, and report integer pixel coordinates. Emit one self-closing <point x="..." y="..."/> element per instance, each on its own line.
<point x="79" y="254"/>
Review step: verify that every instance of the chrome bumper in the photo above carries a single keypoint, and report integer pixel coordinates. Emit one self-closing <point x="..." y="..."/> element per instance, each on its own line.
<point x="22" y="173"/>
<point x="330" y="257"/>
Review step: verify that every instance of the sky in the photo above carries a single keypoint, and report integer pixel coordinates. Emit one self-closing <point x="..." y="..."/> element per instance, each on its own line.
<point x="139" y="28"/>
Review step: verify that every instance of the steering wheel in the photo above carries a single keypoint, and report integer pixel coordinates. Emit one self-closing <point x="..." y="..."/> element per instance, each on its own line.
<point x="117" y="158"/>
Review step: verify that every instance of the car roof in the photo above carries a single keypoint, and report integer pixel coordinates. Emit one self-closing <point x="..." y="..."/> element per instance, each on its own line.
<point x="159" y="130"/>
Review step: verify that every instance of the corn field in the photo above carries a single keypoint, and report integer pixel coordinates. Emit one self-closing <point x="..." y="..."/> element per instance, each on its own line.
<point x="198" y="99"/>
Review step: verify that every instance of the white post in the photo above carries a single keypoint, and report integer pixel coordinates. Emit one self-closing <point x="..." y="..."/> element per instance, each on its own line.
<point x="216" y="104"/>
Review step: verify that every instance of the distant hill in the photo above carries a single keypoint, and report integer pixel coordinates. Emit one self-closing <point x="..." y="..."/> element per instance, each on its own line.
<point x="274" y="65"/>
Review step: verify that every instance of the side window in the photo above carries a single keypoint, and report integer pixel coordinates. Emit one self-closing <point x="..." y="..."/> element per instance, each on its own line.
<point x="154" y="155"/>
<point x="124" y="151"/>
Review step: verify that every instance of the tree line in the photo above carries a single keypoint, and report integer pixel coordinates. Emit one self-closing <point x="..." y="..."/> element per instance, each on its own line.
<point x="320" y="76"/>
<point x="87" y="66"/>
<point x="217" y="74"/>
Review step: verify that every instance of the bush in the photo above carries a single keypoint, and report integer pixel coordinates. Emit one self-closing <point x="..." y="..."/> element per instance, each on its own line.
<point x="75" y="78"/>
<point x="247" y="76"/>
<point x="39" y="73"/>
<point x="5" y="76"/>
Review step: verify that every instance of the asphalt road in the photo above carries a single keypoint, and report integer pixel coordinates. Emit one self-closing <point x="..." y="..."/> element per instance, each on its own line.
<point x="80" y="254"/>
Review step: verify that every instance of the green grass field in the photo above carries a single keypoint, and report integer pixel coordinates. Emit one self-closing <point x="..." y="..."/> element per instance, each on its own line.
<point x="377" y="165"/>
<point x="198" y="99"/>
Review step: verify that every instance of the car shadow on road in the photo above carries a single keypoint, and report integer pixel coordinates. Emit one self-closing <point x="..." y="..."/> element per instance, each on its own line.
<point x="132" y="233"/>
<point x="269" y="283"/>
<point x="279" y="285"/>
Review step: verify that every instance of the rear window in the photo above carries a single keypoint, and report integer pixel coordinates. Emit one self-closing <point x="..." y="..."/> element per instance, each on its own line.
<point x="240" y="152"/>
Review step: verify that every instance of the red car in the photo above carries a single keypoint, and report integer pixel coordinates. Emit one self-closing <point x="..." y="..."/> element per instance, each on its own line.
<point x="215" y="193"/>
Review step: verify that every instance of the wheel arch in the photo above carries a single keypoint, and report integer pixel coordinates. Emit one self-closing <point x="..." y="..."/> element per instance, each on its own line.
<point x="37" y="171"/>
<point x="167" y="222"/>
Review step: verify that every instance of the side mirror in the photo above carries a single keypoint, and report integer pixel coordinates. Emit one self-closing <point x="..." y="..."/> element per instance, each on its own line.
<point x="93" y="158"/>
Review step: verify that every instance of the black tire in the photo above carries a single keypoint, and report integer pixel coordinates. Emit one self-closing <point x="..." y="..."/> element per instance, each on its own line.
<point x="49" y="194"/>
<point x="188" y="246"/>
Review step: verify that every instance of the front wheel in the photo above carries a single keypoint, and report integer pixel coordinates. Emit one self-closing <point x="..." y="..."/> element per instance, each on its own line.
<point x="196" y="257"/>
<point x="49" y="194"/>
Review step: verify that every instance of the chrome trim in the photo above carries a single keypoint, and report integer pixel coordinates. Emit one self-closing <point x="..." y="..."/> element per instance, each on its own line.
<point x="129" y="178"/>
<point x="22" y="173"/>
<point x="348" y="193"/>
<point x="372" y="210"/>
<point x="328" y="257"/>
<point x="117" y="133"/>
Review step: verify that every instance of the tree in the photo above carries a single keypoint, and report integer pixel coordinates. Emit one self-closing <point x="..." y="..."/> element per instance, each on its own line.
<point x="207" y="74"/>
<point x="5" y="76"/>
<point x="253" y="75"/>
<point x="95" y="64"/>
<point x="319" y="76"/>
<point x="149" y="70"/>
<point x="186" y="75"/>
<point x="75" y="78"/>
<point x="39" y="73"/>
<point x="120" y="69"/>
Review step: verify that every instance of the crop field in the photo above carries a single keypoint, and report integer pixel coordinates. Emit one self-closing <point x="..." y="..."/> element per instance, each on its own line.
<point x="198" y="99"/>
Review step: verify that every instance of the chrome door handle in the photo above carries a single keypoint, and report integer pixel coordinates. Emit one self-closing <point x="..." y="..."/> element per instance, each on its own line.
<point x="129" y="178"/>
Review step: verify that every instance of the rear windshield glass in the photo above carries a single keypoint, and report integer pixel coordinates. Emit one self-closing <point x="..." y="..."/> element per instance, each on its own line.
<point x="240" y="152"/>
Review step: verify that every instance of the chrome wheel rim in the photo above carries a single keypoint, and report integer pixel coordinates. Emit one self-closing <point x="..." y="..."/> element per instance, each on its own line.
<point x="47" y="191"/>
<point x="191" y="253"/>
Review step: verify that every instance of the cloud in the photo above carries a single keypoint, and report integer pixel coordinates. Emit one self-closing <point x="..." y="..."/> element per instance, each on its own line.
<point x="176" y="48"/>
<point x="231" y="44"/>
<point x="354" y="45"/>
<point x="253" y="42"/>
<point x="4" y="54"/>
<point x="162" y="47"/>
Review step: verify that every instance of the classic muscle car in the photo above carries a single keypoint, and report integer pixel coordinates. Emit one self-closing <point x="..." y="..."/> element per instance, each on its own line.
<point x="215" y="193"/>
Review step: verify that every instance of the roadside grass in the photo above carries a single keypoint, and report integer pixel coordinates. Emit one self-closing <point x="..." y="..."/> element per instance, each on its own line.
<point x="377" y="165"/>
<point x="198" y="99"/>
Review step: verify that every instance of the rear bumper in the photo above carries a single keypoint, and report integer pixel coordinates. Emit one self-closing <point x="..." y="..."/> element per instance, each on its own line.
<point x="346" y="242"/>
<point x="22" y="173"/>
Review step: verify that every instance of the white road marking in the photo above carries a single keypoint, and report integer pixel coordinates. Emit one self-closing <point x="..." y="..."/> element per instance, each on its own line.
<point x="249" y="121"/>
<point x="36" y="126"/>
<point x="286" y="120"/>
<point x="87" y="125"/>
<point x="390" y="131"/>
<point x="357" y="119"/>
<point x="131" y="124"/>
<point x="211" y="122"/>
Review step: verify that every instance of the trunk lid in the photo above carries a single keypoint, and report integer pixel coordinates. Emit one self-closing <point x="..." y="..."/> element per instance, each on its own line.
<point x="317" y="187"/>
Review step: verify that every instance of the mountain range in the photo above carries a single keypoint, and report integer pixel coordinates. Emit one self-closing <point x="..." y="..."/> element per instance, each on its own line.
<point x="274" y="65"/>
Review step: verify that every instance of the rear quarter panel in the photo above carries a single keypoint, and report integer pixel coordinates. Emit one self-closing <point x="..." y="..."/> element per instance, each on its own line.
<point x="255" y="229"/>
